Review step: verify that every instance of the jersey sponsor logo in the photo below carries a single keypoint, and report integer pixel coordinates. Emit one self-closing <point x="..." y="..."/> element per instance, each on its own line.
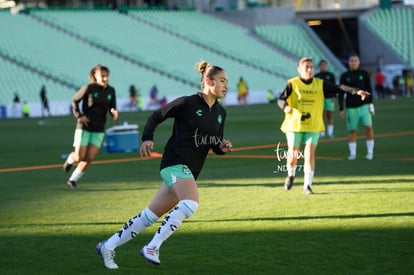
<point x="312" y="92"/>
<point x="305" y="116"/>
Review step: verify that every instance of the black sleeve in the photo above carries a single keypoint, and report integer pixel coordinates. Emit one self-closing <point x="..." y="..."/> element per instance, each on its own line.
<point x="333" y="78"/>
<point x="112" y="103"/>
<point x="172" y="109"/>
<point x="331" y="89"/>
<point x="284" y="95"/>
<point x="341" y="96"/>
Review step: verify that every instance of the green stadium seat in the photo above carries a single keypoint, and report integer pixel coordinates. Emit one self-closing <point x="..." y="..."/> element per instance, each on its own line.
<point x="395" y="27"/>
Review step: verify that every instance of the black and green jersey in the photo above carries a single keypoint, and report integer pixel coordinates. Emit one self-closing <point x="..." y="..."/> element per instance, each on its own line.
<point x="197" y="129"/>
<point x="359" y="79"/>
<point x="328" y="77"/>
<point x="97" y="101"/>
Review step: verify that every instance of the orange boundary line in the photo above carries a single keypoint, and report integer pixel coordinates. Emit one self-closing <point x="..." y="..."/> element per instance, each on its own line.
<point x="27" y="168"/>
<point x="245" y="148"/>
<point x="264" y="157"/>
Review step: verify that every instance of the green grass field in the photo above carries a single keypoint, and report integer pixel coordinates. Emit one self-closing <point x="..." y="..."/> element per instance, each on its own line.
<point x="360" y="221"/>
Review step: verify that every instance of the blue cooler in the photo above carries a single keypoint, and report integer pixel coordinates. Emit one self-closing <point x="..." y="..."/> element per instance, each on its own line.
<point x="122" y="139"/>
<point x="3" y="111"/>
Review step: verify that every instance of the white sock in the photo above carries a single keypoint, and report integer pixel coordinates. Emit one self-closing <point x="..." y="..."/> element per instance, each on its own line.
<point x="184" y="209"/>
<point x="330" y="129"/>
<point x="76" y="175"/>
<point x="352" y="148"/>
<point x="291" y="170"/>
<point x="131" y="229"/>
<point x="308" y="177"/>
<point x="370" y="146"/>
<point x="70" y="159"/>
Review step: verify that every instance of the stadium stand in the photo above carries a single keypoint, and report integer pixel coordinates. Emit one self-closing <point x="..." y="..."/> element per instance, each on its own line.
<point x="153" y="46"/>
<point x="292" y="39"/>
<point x="57" y="47"/>
<point x="61" y="55"/>
<point x="207" y="30"/>
<point x="395" y="27"/>
<point x="27" y="84"/>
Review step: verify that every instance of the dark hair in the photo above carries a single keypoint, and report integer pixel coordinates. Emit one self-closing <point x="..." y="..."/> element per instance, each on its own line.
<point x="207" y="70"/>
<point x="353" y="55"/>
<point x="322" y="62"/>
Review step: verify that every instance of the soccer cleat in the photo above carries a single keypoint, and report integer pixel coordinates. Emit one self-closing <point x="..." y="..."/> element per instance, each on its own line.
<point x="71" y="184"/>
<point x="151" y="254"/>
<point x="369" y="156"/>
<point x="107" y="256"/>
<point x="289" y="182"/>
<point x="352" y="157"/>
<point x="67" y="166"/>
<point x="308" y="190"/>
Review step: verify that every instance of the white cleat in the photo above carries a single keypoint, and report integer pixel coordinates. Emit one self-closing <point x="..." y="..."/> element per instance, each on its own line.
<point x="151" y="254"/>
<point x="352" y="157"/>
<point x="107" y="256"/>
<point x="369" y="156"/>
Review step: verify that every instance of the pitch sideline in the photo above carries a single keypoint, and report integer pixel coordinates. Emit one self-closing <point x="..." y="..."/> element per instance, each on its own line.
<point x="245" y="148"/>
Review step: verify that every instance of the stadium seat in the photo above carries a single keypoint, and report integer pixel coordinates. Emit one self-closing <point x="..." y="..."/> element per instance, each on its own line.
<point x="395" y="27"/>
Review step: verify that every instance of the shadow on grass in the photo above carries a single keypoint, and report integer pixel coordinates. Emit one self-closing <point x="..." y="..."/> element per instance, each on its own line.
<point x="325" y="217"/>
<point x="279" y="181"/>
<point x="364" y="251"/>
<point x="294" y="218"/>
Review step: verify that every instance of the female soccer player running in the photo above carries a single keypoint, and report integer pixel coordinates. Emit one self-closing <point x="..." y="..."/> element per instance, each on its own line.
<point x="302" y="102"/>
<point x="98" y="98"/>
<point x="198" y="127"/>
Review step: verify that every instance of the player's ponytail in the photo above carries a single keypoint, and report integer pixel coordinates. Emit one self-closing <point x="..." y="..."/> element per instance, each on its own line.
<point x="207" y="71"/>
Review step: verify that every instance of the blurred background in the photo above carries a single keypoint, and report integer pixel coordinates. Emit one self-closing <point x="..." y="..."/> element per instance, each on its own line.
<point x="151" y="46"/>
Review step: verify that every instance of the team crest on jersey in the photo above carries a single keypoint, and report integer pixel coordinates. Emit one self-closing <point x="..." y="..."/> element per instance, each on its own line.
<point x="109" y="97"/>
<point x="199" y="112"/>
<point x="186" y="170"/>
<point x="95" y="95"/>
<point x="220" y="119"/>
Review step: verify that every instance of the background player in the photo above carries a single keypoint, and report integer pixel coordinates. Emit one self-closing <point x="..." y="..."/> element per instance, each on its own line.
<point x="98" y="98"/>
<point x="330" y="99"/>
<point x="357" y="110"/>
<point x="302" y="102"/>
